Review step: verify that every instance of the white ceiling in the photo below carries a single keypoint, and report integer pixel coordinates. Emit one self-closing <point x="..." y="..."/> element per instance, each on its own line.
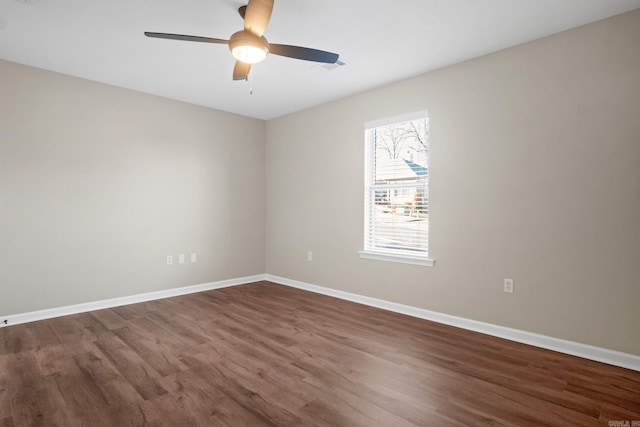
<point x="380" y="40"/>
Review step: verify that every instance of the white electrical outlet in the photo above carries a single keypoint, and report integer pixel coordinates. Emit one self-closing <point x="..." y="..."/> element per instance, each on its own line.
<point x="309" y="256"/>
<point x="194" y="257"/>
<point x="169" y="260"/>
<point x="508" y="285"/>
<point x="181" y="259"/>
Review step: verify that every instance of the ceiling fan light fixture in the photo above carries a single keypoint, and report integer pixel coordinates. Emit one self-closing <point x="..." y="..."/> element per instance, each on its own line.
<point x="249" y="54"/>
<point x="248" y="48"/>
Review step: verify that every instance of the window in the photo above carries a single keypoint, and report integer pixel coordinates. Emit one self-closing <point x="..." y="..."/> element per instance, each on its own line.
<point x="397" y="190"/>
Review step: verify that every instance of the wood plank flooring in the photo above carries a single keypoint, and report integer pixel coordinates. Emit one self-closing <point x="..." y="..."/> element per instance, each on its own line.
<point x="265" y="354"/>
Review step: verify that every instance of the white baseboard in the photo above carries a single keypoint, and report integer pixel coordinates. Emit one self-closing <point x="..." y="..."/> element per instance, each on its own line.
<point x="116" y="302"/>
<point x="586" y="351"/>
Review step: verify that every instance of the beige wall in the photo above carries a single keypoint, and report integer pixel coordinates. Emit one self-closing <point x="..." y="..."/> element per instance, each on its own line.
<point x="99" y="184"/>
<point x="535" y="175"/>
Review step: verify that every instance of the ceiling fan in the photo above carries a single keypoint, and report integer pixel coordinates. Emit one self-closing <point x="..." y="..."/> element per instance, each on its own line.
<point x="249" y="46"/>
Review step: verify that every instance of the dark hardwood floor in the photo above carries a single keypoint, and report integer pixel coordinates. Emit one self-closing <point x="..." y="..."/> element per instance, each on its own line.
<point x="265" y="354"/>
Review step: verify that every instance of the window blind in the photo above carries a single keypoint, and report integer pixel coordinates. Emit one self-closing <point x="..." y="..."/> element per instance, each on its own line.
<point x="396" y="186"/>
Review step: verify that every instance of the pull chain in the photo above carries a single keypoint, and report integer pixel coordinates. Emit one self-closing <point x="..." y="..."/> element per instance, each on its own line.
<point x="251" y="83"/>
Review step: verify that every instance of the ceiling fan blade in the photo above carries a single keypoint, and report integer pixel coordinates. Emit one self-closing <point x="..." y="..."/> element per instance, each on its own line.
<point x="241" y="70"/>
<point x="185" y="38"/>
<point x="305" y="53"/>
<point x="257" y="16"/>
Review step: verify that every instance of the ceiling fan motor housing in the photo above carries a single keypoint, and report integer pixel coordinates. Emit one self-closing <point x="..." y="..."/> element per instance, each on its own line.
<point x="247" y="47"/>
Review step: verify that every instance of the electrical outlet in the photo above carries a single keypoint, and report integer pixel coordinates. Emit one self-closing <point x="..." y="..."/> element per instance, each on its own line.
<point x="309" y="256"/>
<point x="508" y="285"/>
<point x="181" y="259"/>
<point x="169" y="260"/>
<point x="194" y="257"/>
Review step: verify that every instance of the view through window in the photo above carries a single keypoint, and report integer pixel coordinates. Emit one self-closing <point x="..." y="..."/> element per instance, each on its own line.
<point x="396" y="187"/>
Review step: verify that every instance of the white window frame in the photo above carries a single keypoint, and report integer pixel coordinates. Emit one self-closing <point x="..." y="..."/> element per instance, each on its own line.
<point x="370" y="252"/>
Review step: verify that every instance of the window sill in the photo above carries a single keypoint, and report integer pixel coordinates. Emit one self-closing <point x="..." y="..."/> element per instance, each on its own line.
<point x="404" y="259"/>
